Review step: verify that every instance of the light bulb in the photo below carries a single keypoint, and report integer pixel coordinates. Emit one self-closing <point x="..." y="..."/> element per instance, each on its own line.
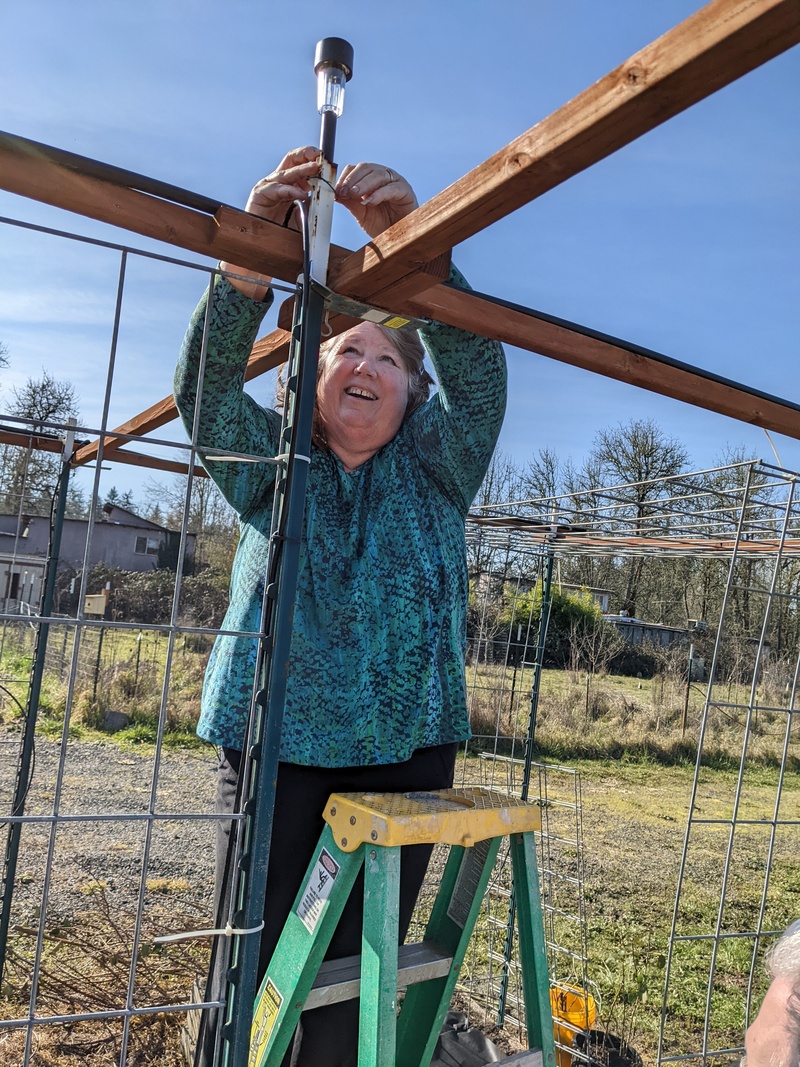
<point x="330" y="90"/>
<point x="333" y="63"/>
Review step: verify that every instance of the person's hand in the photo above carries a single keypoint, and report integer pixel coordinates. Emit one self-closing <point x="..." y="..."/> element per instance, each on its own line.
<point x="271" y="199"/>
<point x="375" y="195"/>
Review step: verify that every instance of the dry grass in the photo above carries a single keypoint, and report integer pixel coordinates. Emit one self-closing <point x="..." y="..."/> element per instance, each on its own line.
<point x="85" y="968"/>
<point x="582" y="716"/>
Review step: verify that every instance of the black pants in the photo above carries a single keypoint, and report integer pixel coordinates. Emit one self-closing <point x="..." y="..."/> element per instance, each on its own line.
<point x="330" y="1034"/>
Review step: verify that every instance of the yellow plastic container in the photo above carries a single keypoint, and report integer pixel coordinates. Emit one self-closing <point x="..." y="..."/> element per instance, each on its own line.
<point x="576" y="1010"/>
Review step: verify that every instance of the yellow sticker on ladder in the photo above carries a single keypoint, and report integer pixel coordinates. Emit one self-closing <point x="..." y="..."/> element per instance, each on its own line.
<point x="395" y="322"/>
<point x="264" y="1019"/>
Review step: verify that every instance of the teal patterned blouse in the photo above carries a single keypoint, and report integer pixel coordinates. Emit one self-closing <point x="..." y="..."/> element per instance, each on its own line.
<point x="377" y="653"/>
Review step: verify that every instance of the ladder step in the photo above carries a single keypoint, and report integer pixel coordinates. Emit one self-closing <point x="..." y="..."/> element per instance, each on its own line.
<point x="339" y="980"/>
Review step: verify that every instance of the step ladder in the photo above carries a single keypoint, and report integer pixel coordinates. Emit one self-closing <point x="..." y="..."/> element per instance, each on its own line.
<point x="368" y="829"/>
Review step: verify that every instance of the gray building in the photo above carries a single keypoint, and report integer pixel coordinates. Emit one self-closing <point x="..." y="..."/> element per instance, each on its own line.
<point x="119" y="538"/>
<point x="637" y="632"/>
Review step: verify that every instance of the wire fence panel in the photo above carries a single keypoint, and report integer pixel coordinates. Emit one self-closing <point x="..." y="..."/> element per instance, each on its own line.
<point x="108" y="801"/>
<point x="753" y="827"/>
<point x="110" y="829"/>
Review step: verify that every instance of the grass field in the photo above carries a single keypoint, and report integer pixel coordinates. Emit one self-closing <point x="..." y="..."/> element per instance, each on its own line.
<point x="634" y="743"/>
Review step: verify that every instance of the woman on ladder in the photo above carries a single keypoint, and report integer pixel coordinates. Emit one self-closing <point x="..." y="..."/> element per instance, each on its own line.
<point x="376" y="697"/>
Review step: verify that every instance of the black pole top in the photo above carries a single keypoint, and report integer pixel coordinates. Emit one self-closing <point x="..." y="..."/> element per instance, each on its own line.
<point x="334" y="52"/>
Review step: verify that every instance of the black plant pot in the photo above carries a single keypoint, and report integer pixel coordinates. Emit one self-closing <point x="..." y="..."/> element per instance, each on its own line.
<point x="604" y="1050"/>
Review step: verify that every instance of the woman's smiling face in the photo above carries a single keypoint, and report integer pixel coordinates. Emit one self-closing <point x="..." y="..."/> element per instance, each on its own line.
<point x="362" y="394"/>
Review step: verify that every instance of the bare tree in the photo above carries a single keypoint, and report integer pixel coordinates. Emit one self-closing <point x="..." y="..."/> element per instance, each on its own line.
<point x="638" y="451"/>
<point x="545" y="475"/>
<point x="208" y="516"/>
<point x="633" y="458"/>
<point x="28" y="476"/>
<point x="593" y="645"/>
<point x="503" y="481"/>
<point x="501" y="486"/>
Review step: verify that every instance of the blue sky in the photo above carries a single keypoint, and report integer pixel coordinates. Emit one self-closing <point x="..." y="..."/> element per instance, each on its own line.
<point x="685" y="241"/>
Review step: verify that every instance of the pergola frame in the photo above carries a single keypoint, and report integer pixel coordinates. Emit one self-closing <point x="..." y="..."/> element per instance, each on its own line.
<point x="404" y="269"/>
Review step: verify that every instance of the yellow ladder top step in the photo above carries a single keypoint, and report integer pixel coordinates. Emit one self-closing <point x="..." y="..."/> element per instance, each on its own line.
<point x="444" y="816"/>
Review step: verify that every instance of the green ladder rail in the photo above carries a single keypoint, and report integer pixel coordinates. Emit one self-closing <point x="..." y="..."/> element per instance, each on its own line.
<point x="368" y="830"/>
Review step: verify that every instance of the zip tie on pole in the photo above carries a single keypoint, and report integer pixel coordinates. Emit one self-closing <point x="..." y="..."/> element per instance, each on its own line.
<point x="286" y="455"/>
<point x="228" y="931"/>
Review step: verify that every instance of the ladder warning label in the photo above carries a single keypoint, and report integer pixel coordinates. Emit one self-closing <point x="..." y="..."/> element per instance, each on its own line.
<point x="469" y="875"/>
<point x="317" y="890"/>
<point x="264" y="1019"/>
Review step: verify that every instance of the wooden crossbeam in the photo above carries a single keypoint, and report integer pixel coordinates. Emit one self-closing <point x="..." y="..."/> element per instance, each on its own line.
<point x="715" y="46"/>
<point x="269" y="352"/>
<point x="36" y="171"/>
<point x="141" y="459"/>
<point x="26" y="439"/>
<point x="565" y="343"/>
<point x="610" y="358"/>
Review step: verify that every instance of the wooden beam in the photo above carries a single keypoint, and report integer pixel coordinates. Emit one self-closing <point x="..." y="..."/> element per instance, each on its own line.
<point x="555" y="340"/>
<point x="145" y="422"/>
<point x="27" y="439"/>
<point x="609" y="358"/>
<point x="27" y="169"/>
<point x="36" y="171"/>
<point x="710" y="49"/>
<point x="140" y="459"/>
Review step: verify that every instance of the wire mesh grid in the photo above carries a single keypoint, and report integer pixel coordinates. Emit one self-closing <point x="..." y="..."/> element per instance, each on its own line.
<point x="115" y="845"/>
<point x="747" y="508"/>
<point x="753" y="825"/>
<point x="108" y="846"/>
<point x="742" y="840"/>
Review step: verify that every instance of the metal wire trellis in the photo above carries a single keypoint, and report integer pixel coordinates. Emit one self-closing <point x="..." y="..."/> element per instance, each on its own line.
<point x="755" y="824"/>
<point x="116" y="845"/>
<point x="747" y="518"/>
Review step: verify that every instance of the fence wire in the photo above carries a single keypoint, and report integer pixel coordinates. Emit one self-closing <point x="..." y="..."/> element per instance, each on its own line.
<point x="755" y="825"/>
<point x="116" y="840"/>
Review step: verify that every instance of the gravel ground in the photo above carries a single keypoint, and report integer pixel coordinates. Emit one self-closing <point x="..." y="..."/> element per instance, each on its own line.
<point x="100" y="779"/>
<point x="91" y="891"/>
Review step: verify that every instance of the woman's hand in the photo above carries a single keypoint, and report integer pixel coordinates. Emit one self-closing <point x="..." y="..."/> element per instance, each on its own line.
<point x="375" y="195"/>
<point x="271" y="199"/>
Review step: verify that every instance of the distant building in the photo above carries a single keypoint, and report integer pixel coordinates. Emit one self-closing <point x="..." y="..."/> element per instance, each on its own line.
<point x="637" y="632"/>
<point x="119" y="538"/>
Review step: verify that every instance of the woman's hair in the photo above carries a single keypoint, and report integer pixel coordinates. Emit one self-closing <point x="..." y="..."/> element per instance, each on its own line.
<point x="409" y="348"/>
<point x="783" y="958"/>
<point x="783" y="961"/>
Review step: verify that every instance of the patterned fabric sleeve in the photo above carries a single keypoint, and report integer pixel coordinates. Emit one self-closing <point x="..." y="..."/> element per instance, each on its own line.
<point x="228" y="418"/>
<point x="457" y="431"/>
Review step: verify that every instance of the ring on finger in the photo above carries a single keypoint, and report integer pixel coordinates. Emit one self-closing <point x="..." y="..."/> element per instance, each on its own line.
<point x="391" y="174"/>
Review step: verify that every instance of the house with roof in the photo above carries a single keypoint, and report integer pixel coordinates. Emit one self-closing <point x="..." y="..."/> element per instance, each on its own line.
<point x="117" y="537"/>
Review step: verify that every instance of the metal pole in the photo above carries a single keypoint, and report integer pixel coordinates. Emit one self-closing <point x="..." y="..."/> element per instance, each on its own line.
<point x="544" y="619"/>
<point x="32" y="707"/>
<point x="98" y="662"/>
<point x="685" y="713"/>
<point x="280" y="591"/>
